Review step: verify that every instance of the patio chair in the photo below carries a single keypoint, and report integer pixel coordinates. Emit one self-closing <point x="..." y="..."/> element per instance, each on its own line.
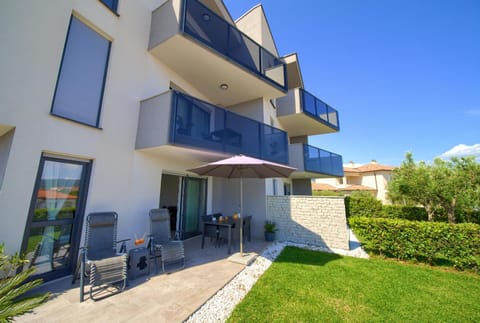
<point x="99" y="256"/>
<point x="247" y="232"/>
<point x="161" y="246"/>
<point x="235" y="232"/>
<point x="211" y="231"/>
<point x="223" y="233"/>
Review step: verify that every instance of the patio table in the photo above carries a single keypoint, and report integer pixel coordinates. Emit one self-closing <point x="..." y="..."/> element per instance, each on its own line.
<point x="227" y="224"/>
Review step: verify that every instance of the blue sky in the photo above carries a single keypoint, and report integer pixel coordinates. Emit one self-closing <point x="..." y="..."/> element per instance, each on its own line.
<point x="404" y="75"/>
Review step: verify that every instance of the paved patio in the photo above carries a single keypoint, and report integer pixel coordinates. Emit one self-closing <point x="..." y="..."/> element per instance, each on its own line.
<point x="162" y="298"/>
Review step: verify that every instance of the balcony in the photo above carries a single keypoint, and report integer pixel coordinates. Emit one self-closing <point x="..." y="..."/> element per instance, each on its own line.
<point x="302" y="114"/>
<point x="207" y="51"/>
<point x="179" y="125"/>
<point x="313" y="162"/>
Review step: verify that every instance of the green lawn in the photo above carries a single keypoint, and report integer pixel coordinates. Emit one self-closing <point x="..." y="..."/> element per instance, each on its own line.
<point x="308" y="286"/>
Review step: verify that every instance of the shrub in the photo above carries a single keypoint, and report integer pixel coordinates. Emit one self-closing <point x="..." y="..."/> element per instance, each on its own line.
<point x="270" y="227"/>
<point x="326" y="193"/>
<point x="13" y="286"/>
<point x="41" y="214"/>
<point x="404" y="212"/>
<point x="469" y="216"/>
<point x="431" y="242"/>
<point x="363" y="204"/>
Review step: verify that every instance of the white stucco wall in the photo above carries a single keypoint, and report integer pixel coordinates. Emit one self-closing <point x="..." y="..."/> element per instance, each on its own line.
<point x="227" y="200"/>
<point x="379" y="181"/>
<point x="122" y="179"/>
<point x="255" y="25"/>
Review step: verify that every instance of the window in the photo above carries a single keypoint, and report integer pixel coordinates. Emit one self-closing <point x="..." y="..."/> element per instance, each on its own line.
<point x="53" y="230"/>
<point x="79" y="92"/>
<point x="112" y="4"/>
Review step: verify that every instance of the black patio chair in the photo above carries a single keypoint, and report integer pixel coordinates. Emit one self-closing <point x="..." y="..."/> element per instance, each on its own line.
<point x="223" y="232"/>
<point x="210" y="231"/>
<point x="99" y="257"/>
<point x="247" y="231"/>
<point x="161" y="245"/>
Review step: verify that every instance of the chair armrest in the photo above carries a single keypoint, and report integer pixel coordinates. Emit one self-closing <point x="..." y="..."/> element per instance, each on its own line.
<point x="123" y="248"/>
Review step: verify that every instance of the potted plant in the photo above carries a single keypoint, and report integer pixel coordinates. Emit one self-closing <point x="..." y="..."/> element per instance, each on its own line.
<point x="270" y="228"/>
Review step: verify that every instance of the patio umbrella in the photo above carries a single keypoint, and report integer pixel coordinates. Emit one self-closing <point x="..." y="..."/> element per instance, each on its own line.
<point x="241" y="166"/>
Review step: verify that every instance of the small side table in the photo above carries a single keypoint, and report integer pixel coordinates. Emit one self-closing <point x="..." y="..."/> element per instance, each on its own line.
<point x="138" y="264"/>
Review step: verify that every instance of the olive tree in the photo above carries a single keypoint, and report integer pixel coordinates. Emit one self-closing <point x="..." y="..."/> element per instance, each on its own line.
<point x="450" y="186"/>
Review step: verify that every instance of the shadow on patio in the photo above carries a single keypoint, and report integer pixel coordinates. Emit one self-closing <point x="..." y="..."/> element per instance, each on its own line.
<point x="155" y="298"/>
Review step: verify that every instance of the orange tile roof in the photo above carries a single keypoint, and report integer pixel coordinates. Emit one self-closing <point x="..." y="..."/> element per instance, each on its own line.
<point x="323" y="187"/>
<point x="372" y="167"/>
<point x="53" y="194"/>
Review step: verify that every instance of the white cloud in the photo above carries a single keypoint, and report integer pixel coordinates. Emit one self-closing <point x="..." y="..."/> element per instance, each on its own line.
<point x="462" y="150"/>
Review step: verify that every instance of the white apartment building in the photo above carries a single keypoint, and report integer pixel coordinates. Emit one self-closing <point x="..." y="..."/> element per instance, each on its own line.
<point x="104" y="105"/>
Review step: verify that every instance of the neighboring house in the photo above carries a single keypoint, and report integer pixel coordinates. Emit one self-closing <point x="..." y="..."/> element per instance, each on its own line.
<point x="371" y="178"/>
<point x="54" y="199"/>
<point x="115" y="100"/>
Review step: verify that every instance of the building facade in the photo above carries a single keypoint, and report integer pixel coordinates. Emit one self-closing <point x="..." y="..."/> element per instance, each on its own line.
<point x="372" y="178"/>
<point x="104" y="105"/>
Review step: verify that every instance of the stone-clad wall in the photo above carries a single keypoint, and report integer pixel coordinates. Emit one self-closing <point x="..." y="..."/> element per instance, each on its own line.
<point x="314" y="220"/>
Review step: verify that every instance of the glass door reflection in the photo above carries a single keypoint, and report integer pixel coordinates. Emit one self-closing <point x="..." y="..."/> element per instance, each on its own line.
<point x="54" y="225"/>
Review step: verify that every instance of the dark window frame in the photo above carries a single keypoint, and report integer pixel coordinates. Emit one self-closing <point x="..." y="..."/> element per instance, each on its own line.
<point x="113" y="7"/>
<point x="102" y="91"/>
<point x="78" y="221"/>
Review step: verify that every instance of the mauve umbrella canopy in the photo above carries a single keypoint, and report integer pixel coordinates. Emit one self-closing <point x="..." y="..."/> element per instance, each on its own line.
<point x="241" y="166"/>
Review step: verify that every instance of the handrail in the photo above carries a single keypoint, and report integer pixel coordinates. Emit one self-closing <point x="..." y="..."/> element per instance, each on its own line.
<point x="322" y="161"/>
<point x="199" y="124"/>
<point x="319" y="109"/>
<point x="204" y="25"/>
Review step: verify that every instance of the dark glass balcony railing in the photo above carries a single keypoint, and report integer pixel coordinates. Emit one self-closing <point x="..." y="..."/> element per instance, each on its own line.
<point x="319" y="109"/>
<point x="210" y="29"/>
<point x="198" y="124"/>
<point x="321" y="161"/>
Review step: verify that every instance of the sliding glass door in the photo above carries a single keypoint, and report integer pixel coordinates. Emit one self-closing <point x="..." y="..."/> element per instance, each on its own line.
<point x="53" y="230"/>
<point x="193" y="206"/>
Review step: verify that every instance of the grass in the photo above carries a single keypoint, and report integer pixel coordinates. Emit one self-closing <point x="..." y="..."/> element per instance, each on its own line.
<point x="308" y="286"/>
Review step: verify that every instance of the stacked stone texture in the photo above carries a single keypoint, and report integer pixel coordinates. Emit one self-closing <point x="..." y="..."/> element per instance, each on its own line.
<point x="315" y="220"/>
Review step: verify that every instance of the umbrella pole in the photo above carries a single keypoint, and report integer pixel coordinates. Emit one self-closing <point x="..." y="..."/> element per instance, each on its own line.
<point x="241" y="216"/>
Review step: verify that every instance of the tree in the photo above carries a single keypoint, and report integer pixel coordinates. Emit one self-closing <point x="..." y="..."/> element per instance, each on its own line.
<point x="452" y="186"/>
<point x="464" y="180"/>
<point x="412" y="184"/>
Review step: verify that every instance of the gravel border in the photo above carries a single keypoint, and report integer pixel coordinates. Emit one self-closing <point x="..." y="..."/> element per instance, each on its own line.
<point x="221" y="305"/>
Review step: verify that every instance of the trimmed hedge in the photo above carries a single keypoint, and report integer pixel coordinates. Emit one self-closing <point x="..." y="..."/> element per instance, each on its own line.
<point x="457" y="245"/>
<point x="326" y="193"/>
<point x="64" y="213"/>
<point x="469" y="216"/>
<point x="404" y="212"/>
<point x="363" y="205"/>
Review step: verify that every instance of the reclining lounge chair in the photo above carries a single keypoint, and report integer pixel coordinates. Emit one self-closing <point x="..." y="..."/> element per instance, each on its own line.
<point x="99" y="256"/>
<point x="161" y="246"/>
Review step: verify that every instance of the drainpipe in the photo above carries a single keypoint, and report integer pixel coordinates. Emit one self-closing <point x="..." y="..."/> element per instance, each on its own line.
<point x="376" y="184"/>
